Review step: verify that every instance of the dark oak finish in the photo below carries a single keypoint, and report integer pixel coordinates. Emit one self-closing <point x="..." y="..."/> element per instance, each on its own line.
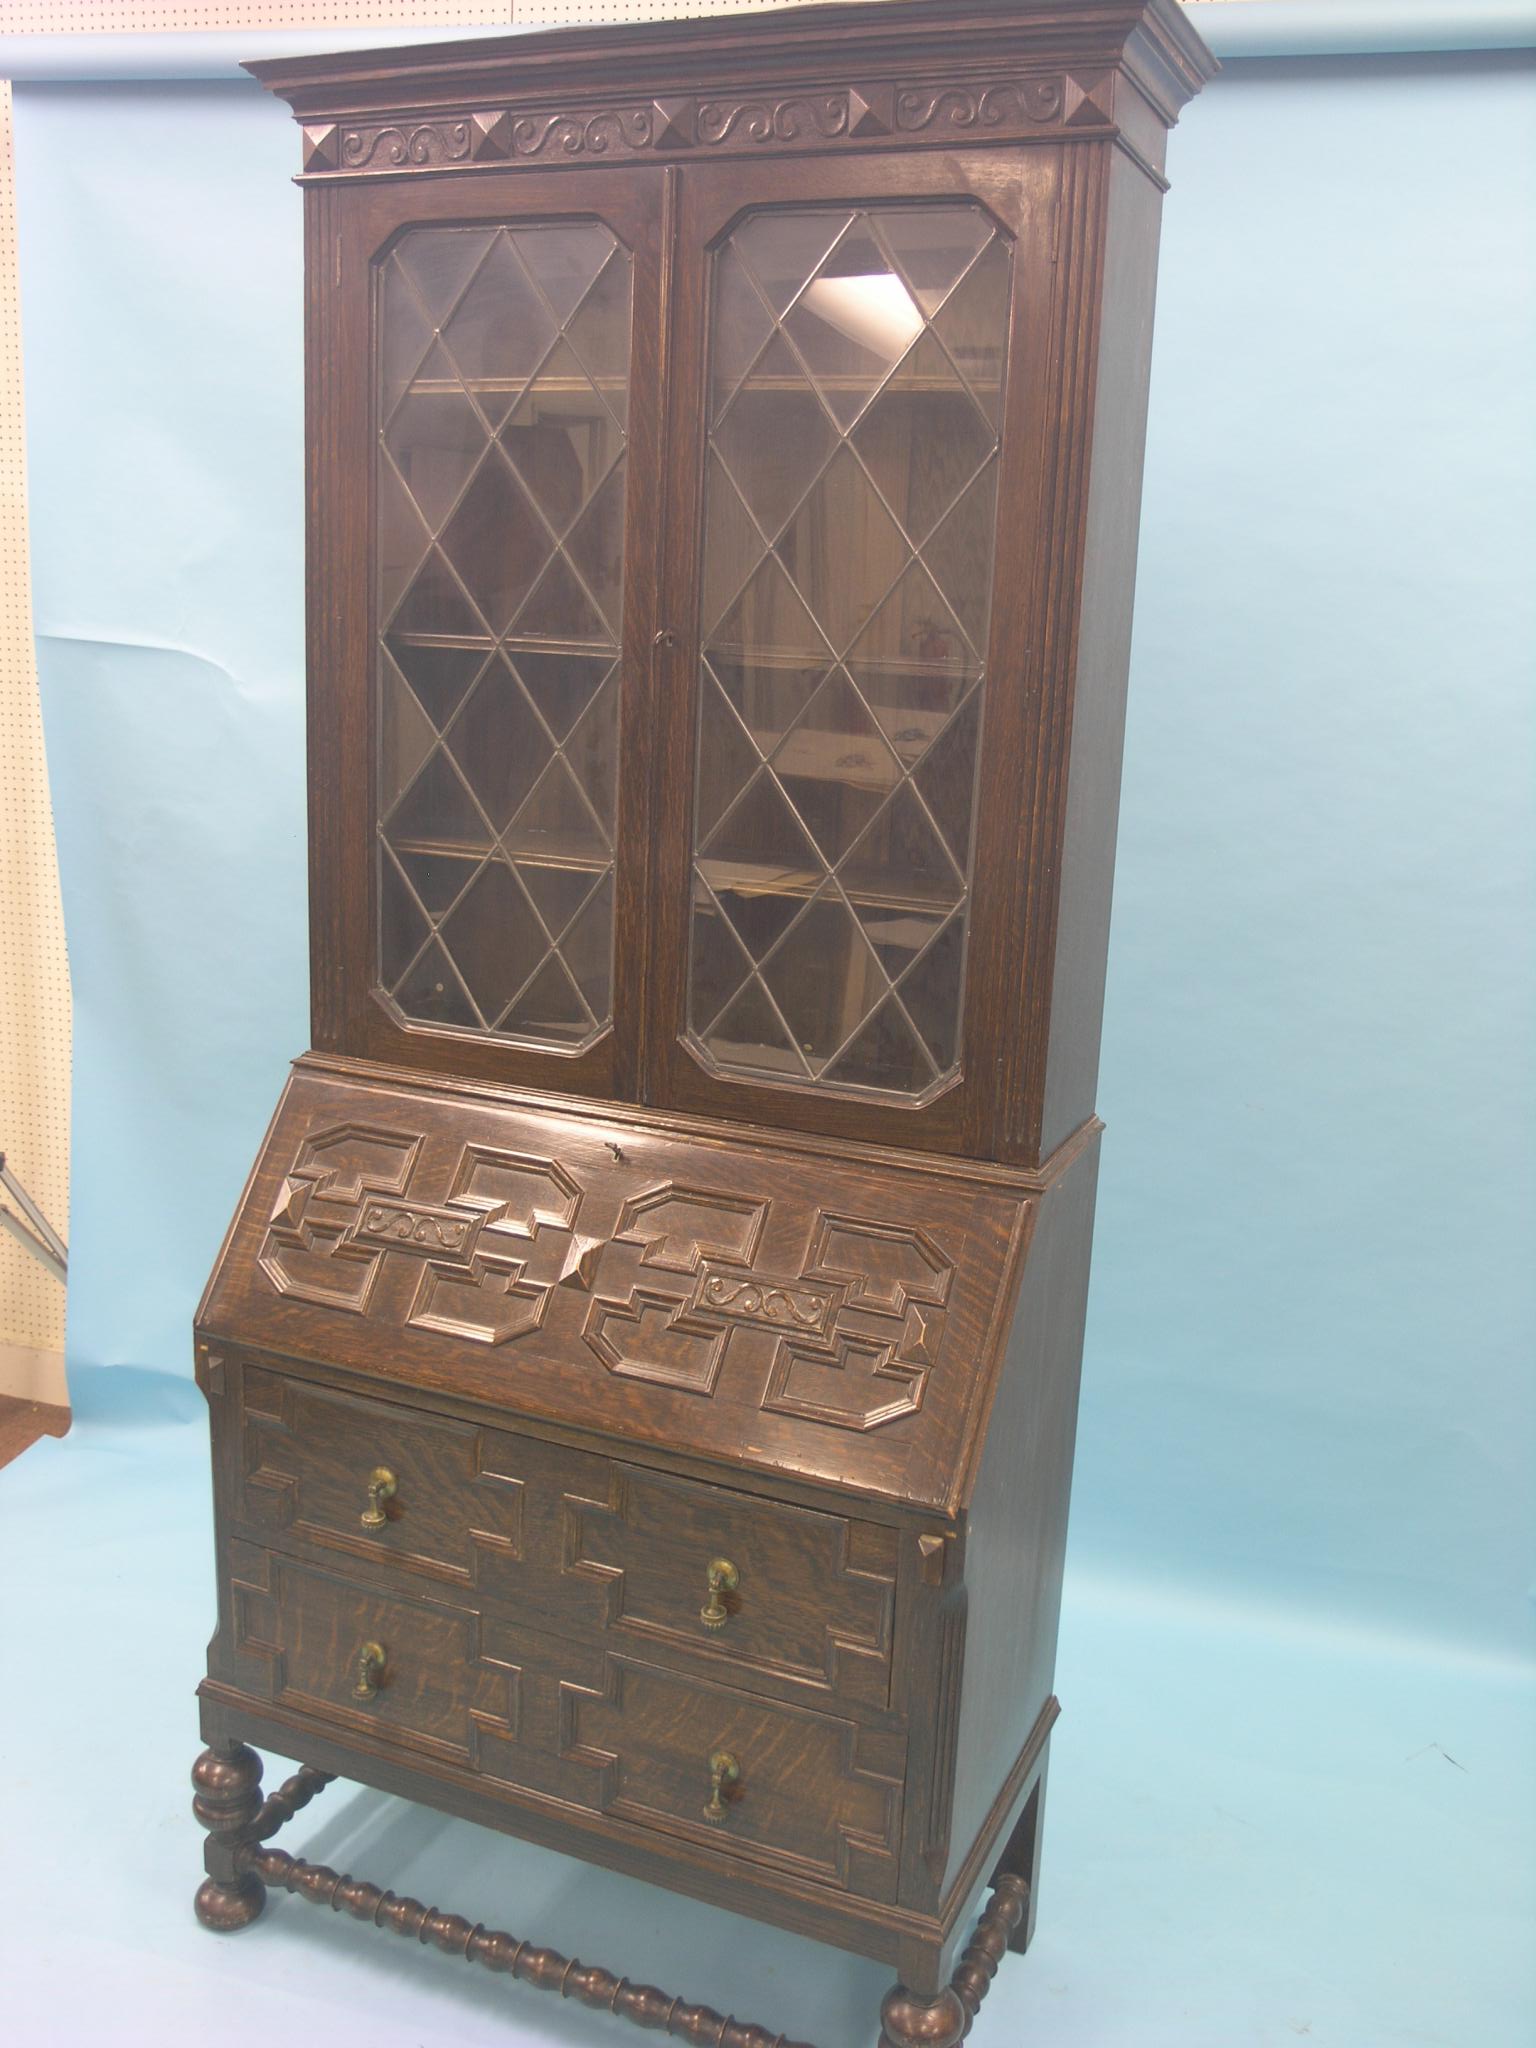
<point x="1019" y="193"/>
<point x="1055" y="118"/>
<point x="227" y="1801"/>
<point x="354" y="227"/>
<point x="643" y="1397"/>
<point x="834" y="1326"/>
<point x="570" y="1542"/>
<point x="907" y="2019"/>
<point x="22" y="1422"/>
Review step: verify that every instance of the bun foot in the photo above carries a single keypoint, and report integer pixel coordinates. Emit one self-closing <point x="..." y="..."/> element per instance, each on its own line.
<point x="909" y="2022"/>
<point x="226" y="1783"/>
<point x="226" y="1908"/>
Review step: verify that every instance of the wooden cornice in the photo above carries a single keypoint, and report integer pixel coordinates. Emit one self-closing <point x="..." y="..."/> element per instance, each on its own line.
<point x="805" y="78"/>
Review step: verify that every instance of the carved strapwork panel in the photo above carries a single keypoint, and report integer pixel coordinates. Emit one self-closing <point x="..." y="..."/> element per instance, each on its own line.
<point x="677" y="1226"/>
<point x="744" y="122"/>
<point x="861" y="1376"/>
<point x="654" y="1332"/>
<point x="487" y="1297"/>
<point x="816" y="1795"/>
<point x="858" y="1318"/>
<point x="352" y="1201"/>
<point x="858" y="1324"/>
<point x="729" y="1298"/>
<point x="316" y="1257"/>
<point x="650" y="1335"/>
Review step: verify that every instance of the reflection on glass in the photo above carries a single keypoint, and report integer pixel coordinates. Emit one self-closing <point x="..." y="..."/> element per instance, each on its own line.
<point x="857" y="363"/>
<point x="502" y="404"/>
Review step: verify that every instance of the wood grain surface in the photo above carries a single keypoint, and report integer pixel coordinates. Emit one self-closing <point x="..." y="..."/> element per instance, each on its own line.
<point x="668" y="1467"/>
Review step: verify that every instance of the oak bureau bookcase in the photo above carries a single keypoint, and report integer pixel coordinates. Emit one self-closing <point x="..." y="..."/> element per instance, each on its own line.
<point x="643" y="1366"/>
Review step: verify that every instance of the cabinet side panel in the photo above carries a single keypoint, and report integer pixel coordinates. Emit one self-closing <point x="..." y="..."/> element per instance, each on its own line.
<point x="1017" y="1528"/>
<point x="1103" y="650"/>
<point x="335" y="531"/>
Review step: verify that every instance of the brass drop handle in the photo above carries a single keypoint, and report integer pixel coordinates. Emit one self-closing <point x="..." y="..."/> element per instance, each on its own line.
<point x="723" y="1770"/>
<point x="381" y="1487"/>
<point x="723" y="1578"/>
<point x="370" y="1671"/>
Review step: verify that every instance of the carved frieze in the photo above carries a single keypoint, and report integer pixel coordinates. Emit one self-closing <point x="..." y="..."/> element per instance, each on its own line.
<point x="800" y="117"/>
<point x="1012" y="103"/>
<point x="739" y="122"/>
<point x="426" y="144"/>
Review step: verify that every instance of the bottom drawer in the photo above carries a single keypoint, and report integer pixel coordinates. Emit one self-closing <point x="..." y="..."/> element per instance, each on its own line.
<point x="811" y="1791"/>
<point x="530" y="1713"/>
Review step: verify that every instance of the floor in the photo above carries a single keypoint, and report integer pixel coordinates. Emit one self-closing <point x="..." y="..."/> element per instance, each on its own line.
<point x="1259" y="1834"/>
<point x="23" y="1422"/>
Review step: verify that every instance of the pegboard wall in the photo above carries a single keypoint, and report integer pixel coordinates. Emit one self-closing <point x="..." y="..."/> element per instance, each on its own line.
<point x="573" y="13"/>
<point x="34" y="971"/>
<point x="126" y="17"/>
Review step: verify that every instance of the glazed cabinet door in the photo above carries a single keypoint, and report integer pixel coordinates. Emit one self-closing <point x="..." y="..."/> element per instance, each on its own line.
<point x="855" y="484"/>
<point x="484" y="403"/>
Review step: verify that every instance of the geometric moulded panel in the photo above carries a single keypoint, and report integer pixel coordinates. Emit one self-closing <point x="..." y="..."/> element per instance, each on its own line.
<point x="501" y="407"/>
<point x="857" y="358"/>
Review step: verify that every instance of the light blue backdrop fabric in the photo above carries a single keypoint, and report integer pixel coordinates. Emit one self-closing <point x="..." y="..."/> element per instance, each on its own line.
<point x="1309" y="1362"/>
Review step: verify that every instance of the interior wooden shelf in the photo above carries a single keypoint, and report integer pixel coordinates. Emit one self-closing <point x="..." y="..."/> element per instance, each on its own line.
<point x="485" y="643"/>
<point x="582" y="387"/>
<point x="734" y="878"/>
<point x="787" y="660"/>
<point x="546" y="851"/>
<point x="491" y="387"/>
<point x="920" y="385"/>
<point x="766" y="878"/>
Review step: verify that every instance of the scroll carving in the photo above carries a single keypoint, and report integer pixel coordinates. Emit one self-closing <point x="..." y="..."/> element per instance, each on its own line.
<point x="615" y="128"/>
<point x="859" y="1325"/>
<point x="858" y="113"/>
<point x="779" y="1304"/>
<point x="767" y="120"/>
<point x="429" y="143"/>
<point x="681" y="1288"/>
<point x="348" y="1204"/>
<point x="1036" y="101"/>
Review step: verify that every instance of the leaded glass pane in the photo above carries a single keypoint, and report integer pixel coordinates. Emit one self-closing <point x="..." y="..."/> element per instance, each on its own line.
<point x="857" y="360"/>
<point x="503" y="363"/>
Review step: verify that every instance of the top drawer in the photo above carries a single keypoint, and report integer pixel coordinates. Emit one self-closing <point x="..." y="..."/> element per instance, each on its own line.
<point x="775" y="1598"/>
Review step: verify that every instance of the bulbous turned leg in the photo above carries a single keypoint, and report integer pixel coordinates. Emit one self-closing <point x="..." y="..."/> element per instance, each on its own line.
<point x="907" y="2021"/>
<point x="227" y="1799"/>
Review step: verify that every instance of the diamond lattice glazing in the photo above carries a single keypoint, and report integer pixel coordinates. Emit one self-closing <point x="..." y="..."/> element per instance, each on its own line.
<point x="857" y="362"/>
<point x="502" y="404"/>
